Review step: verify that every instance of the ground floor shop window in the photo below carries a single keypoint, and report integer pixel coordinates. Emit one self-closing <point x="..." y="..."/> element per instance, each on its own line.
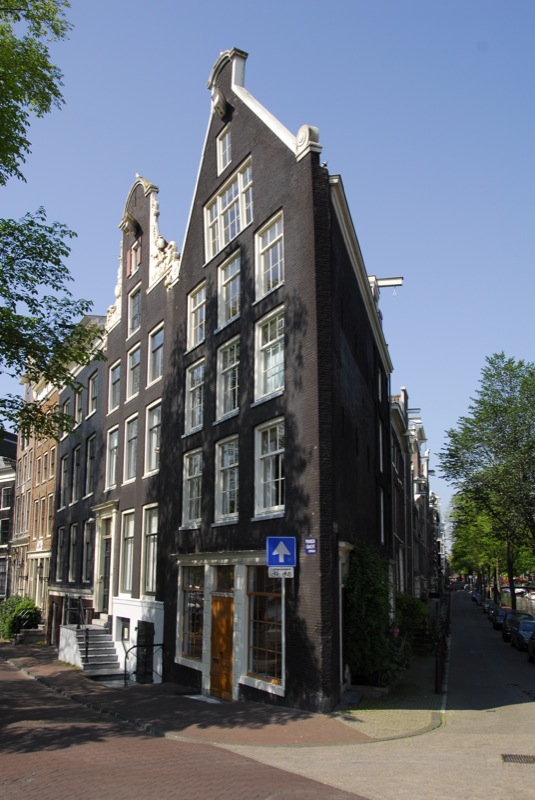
<point x="265" y="625"/>
<point x="193" y="605"/>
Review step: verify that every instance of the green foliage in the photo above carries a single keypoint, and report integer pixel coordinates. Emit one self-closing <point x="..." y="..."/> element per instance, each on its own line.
<point x="16" y="614"/>
<point x="372" y="652"/>
<point x="490" y="456"/>
<point x="412" y="616"/>
<point x="41" y="336"/>
<point x="30" y="82"/>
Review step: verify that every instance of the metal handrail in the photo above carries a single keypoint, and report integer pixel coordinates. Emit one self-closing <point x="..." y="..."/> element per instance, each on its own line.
<point x="127" y="653"/>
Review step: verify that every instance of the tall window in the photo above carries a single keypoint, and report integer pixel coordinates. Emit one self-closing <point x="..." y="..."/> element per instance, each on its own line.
<point x="78" y="410"/>
<point x="224" y="150"/>
<point x="38" y="470"/>
<point x="111" y="458"/>
<point x="156" y="355"/>
<point x="194" y="396"/>
<point x="230" y="211"/>
<point x="45" y="467"/>
<point x="60" y="554"/>
<point x="7" y="497"/>
<point x="49" y="514"/>
<point x="228" y="365"/>
<point x="265" y="625"/>
<point x="88" y="552"/>
<point x="134" y="371"/>
<point x="72" y="554"/>
<point x="192" y="487"/>
<point x="269" y="257"/>
<point x="133" y="257"/>
<point x="66" y="411"/>
<point x="90" y="464"/>
<point x="114" y="397"/>
<point x="52" y="462"/>
<point x="4" y="532"/>
<point x="64" y="482"/>
<point x="92" y="392"/>
<point x="134" y="311"/>
<point x="197" y="316"/>
<point x="150" y="536"/>
<point x="152" y="448"/>
<point x="192" y="611"/>
<point x="227" y="479"/>
<point x="130" y="462"/>
<point x="76" y="473"/>
<point x="127" y="552"/>
<point x="42" y="521"/>
<point x="229" y="290"/>
<point x="269" y="477"/>
<point x="270" y="354"/>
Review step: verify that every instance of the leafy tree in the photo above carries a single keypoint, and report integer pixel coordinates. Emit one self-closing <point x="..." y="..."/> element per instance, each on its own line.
<point x="490" y="456"/>
<point x="41" y="336"/>
<point x="30" y="83"/>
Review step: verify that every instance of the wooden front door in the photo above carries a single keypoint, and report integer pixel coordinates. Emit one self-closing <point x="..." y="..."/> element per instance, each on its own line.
<point x="221" y="653"/>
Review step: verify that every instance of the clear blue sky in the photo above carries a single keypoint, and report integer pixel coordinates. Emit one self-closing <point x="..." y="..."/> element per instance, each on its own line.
<point x="425" y="107"/>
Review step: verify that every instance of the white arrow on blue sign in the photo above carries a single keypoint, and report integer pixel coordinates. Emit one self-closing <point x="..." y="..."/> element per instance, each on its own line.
<point x="281" y="551"/>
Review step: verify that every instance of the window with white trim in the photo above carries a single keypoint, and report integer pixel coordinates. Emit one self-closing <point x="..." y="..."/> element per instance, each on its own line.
<point x="230" y="211"/>
<point x="88" y="552"/>
<point x="229" y="290"/>
<point x="134" y="310"/>
<point x="197" y="316"/>
<point x="134" y="372"/>
<point x="269" y="257"/>
<point x="228" y="365"/>
<point x="130" y="458"/>
<point x="194" y="397"/>
<point x="127" y="551"/>
<point x="78" y="410"/>
<point x="192" y="611"/>
<point x="76" y="474"/>
<point x="90" y="455"/>
<point x="114" y="395"/>
<point x="72" y="553"/>
<point x="92" y="393"/>
<point x="112" y="450"/>
<point x="156" y="339"/>
<point x="64" y="482"/>
<point x="66" y="411"/>
<point x="270" y="354"/>
<point x="152" y="444"/>
<point x="150" y="548"/>
<point x="227" y="480"/>
<point x="7" y="497"/>
<point x="224" y="150"/>
<point x="42" y="521"/>
<point x="265" y="653"/>
<point x="269" y="474"/>
<point x="193" y="464"/>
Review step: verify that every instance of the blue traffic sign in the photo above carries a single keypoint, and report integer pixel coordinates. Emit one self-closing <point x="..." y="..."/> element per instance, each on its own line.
<point x="281" y="551"/>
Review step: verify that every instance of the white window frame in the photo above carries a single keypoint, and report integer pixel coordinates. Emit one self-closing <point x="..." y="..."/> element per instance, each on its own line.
<point x="76" y="483"/>
<point x="128" y="523"/>
<point x="66" y="410"/>
<point x="227" y="479"/>
<point x="229" y="289"/>
<point x="269" y="256"/>
<point x="134" y="310"/>
<point x="269" y="336"/>
<point x="130" y="453"/>
<point x="90" y="465"/>
<point x="228" y="379"/>
<point x="88" y="552"/>
<point x="192" y="493"/>
<point x="78" y="408"/>
<point x="224" y="149"/>
<point x="197" y="316"/>
<point x="194" y="401"/>
<point x="152" y="439"/>
<point x="230" y="211"/>
<point x="150" y="549"/>
<point x="133" y="369"/>
<point x="73" y="535"/>
<point x="63" y="481"/>
<point x="114" y="386"/>
<point x="155" y="360"/>
<point x="112" y="459"/>
<point x="269" y="469"/>
<point x="92" y="393"/>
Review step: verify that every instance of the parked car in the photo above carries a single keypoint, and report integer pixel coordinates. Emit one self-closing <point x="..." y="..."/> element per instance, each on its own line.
<point x="531" y="647"/>
<point x="490" y="607"/>
<point x="521" y="630"/>
<point x="508" y="620"/>
<point x="498" y="615"/>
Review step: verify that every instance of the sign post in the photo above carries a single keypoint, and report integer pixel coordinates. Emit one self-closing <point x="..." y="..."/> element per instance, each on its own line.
<point x="281" y="556"/>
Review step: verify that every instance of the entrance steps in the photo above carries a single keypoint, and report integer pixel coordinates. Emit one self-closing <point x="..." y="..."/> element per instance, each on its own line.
<point x="98" y="654"/>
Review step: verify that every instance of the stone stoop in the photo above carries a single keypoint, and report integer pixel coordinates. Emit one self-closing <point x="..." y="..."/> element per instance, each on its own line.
<point x="102" y="659"/>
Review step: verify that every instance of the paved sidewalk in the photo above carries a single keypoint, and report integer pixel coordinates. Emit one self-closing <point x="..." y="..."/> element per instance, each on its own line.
<point x="410" y="708"/>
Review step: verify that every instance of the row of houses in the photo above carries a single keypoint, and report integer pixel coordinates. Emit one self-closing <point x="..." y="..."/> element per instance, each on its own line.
<point x="238" y="439"/>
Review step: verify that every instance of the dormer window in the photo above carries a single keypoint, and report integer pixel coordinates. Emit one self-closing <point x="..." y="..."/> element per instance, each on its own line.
<point x="133" y="258"/>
